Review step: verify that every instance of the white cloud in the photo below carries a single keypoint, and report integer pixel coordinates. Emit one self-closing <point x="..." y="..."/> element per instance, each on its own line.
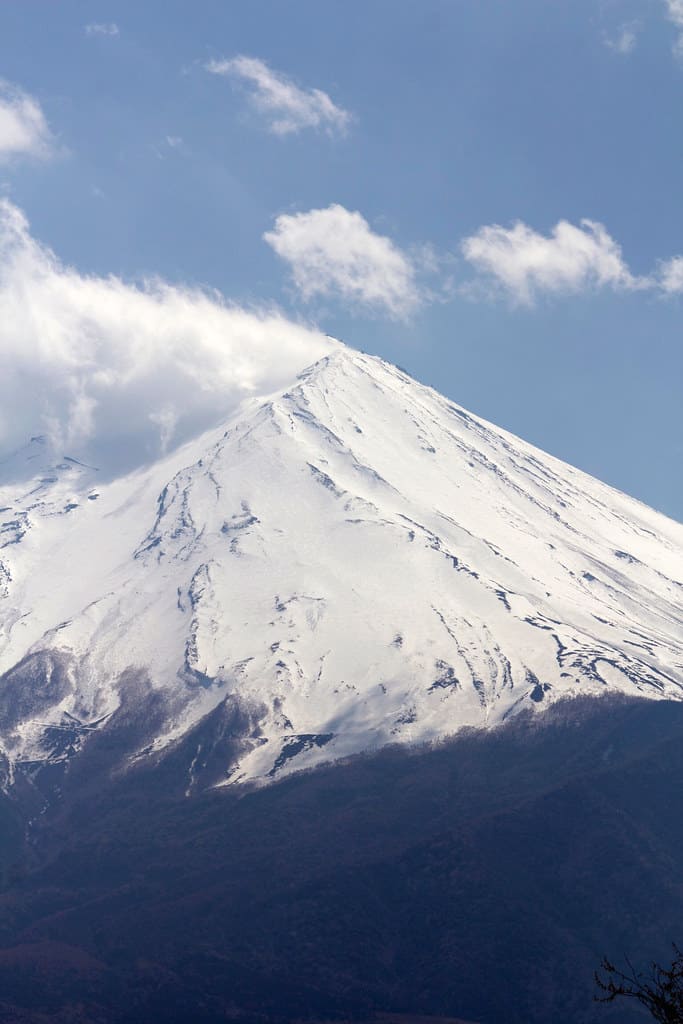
<point x="102" y="29"/>
<point x="670" y="277"/>
<point x="570" y="259"/>
<point x="675" y="12"/>
<point x="334" y="251"/>
<point x="288" y="108"/>
<point x="624" y="42"/>
<point x="24" y="130"/>
<point x="115" y="372"/>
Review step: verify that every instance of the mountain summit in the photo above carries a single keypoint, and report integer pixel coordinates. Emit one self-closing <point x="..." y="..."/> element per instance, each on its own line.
<point x="354" y="562"/>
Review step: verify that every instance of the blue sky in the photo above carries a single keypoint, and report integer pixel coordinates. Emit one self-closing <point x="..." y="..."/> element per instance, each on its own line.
<point x="388" y="197"/>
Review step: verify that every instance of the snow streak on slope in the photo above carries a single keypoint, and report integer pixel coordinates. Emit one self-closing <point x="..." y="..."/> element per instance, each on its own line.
<point x="356" y="561"/>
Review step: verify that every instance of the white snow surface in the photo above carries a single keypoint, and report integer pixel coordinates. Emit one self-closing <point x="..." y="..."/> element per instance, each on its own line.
<point x="357" y="557"/>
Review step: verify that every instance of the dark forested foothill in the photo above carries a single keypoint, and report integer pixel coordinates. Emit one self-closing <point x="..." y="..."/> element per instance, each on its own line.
<point x="481" y="880"/>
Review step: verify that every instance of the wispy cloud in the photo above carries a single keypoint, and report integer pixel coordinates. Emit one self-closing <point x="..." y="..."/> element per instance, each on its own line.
<point x="287" y="107"/>
<point x="96" y="28"/>
<point x="24" y="129"/>
<point x="674" y="10"/>
<point x="335" y="252"/>
<point x="117" y="371"/>
<point x="625" y="39"/>
<point x="570" y="259"/>
<point x="170" y="143"/>
<point x="670" y="276"/>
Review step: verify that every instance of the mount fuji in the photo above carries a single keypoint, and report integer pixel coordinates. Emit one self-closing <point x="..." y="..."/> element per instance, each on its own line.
<point x="350" y="563"/>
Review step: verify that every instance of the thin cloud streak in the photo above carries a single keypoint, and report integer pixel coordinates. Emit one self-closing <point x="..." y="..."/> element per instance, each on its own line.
<point x="102" y="29"/>
<point x="287" y="107"/>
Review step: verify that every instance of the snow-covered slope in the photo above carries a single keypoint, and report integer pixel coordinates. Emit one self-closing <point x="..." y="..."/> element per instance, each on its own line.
<point x="356" y="561"/>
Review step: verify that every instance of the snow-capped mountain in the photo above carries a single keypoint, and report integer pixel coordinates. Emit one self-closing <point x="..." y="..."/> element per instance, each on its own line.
<point x="354" y="562"/>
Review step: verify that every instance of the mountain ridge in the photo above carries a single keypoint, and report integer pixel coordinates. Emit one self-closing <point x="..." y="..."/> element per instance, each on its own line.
<point x="351" y="562"/>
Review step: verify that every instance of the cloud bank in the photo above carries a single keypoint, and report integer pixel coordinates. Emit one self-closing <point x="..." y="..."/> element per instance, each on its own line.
<point x="335" y="252"/>
<point x="24" y="130"/>
<point x="114" y="372"/>
<point x="287" y="108"/>
<point x="570" y="259"/>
